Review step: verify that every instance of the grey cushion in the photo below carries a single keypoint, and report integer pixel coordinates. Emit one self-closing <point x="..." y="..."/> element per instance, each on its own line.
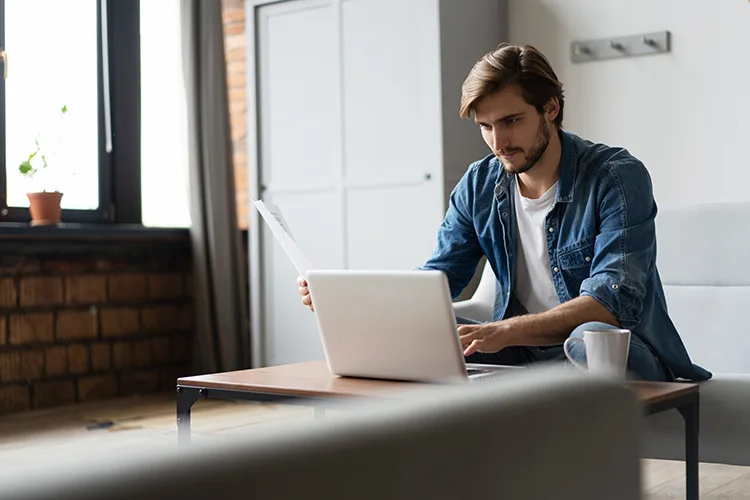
<point x="704" y="244"/>
<point x="711" y="321"/>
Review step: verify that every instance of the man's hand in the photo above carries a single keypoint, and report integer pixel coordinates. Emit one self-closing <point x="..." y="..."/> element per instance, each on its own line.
<point x="488" y="337"/>
<point x="305" y="292"/>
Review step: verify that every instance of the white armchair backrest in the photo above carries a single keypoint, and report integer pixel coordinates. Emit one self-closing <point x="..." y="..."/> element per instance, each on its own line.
<point x="702" y="255"/>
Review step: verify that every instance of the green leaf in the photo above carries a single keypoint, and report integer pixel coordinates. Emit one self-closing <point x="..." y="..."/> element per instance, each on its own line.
<point x="64" y="108"/>
<point x="44" y="160"/>
<point x="25" y="168"/>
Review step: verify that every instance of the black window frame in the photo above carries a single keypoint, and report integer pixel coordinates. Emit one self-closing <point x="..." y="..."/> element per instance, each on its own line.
<point x="120" y="169"/>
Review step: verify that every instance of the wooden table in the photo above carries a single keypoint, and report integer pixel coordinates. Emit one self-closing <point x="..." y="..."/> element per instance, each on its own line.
<point x="311" y="384"/>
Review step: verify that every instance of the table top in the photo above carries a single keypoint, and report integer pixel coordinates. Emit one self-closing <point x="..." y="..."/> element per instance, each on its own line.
<point x="657" y="392"/>
<point x="313" y="379"/>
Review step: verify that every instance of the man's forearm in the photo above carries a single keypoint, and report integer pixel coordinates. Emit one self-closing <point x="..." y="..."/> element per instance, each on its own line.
<point x="554" y="326"/>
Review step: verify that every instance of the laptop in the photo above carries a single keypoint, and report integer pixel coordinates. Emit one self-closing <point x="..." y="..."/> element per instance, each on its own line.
<point x="396" y="325"/>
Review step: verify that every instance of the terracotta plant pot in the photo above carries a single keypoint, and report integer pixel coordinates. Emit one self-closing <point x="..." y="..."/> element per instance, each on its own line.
<point x="45" y="208"/>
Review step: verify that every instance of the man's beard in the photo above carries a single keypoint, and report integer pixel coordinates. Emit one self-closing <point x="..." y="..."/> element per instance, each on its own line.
<point x="535" y="153"/>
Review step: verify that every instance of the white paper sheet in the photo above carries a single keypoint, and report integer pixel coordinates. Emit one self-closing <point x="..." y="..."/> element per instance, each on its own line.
<point x="279" y="227"/>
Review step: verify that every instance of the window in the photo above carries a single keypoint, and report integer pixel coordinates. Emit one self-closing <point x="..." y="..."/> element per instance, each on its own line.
<point x="164" y="137"/>
<point x="42" y="81"/>
<point x="119" y="152"/>
<point x="52" y="64"/>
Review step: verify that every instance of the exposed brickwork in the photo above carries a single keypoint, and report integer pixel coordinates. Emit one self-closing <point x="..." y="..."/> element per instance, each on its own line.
<point x="77" y="324"/>
<point x="139" y="382"/>
<point x="119" y="321"/>
<point x="93" y="321"/>
<point x="122" y="355"/>
<point x="166" y="286"/>
<point x="141" y="350"/>
<point x="21" y="365"/>
<point x="41" y="291"/>
<point x="56" y="360"/>
<point x="54" y="393"/>
<point x="161" y="349"/>
<point x="128" y="287"/>
<point x="180" y="348"/>
<point x="90" y="289"/>
<point x="234" y="49"/>
<point x="101" y="356"/>
<point x="30" y="328"/>
<point x="8" y="292"/>
<point x="14" y="398"/>
<point x="78" y="358"/>
<point x="161" y="318"/>
<point x="97" y="387"/>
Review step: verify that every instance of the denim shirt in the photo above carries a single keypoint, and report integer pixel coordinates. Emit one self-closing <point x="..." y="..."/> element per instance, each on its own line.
<point x="601" y="241"/>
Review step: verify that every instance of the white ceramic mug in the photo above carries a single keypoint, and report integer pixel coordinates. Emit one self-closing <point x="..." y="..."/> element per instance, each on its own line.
<point x="606" y="352"/>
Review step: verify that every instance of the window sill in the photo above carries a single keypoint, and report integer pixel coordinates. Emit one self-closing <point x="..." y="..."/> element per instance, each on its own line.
<point x="64" y="232"/>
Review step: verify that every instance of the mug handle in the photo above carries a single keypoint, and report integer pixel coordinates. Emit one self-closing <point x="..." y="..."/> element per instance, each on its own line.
<point x="566" y="347"/>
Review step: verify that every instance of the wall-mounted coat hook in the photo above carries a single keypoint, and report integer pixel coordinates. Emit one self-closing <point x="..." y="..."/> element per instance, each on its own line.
<point x="648" y="41"/>
<point x="624" y="46"/>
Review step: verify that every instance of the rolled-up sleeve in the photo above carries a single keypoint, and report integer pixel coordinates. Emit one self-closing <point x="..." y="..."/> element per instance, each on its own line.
<point x="457" y="252"/>
<point x="625" y="246"/>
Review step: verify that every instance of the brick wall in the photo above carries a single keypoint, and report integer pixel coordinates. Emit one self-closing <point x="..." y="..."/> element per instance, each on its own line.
<point x="91" y="322"/>
<point x="234" y="45"/>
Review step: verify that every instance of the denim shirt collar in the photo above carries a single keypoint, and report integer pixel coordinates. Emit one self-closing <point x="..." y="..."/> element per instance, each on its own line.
<point x="566" y="175"/>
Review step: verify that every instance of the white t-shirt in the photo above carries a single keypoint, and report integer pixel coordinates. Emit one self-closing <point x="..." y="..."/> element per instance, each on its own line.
<point x="534" y="287"/>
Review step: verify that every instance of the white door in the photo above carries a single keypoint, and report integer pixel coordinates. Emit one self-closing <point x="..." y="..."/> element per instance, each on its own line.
<point x="350" y="147"/>
<point x="300" y="167"/>
<point x="392" y="131"/>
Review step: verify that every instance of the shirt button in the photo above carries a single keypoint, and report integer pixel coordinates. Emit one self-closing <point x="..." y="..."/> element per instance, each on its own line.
<point x="551" y="229"/>
<point x="556" y="269"/>
<point x="505" y="215"/>
<point x="587" y="258"/>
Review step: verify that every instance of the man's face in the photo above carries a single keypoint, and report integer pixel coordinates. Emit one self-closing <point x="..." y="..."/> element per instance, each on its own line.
<point x="513" y="129"/>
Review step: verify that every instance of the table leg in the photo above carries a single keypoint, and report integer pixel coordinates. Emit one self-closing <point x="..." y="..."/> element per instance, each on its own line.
<point x="691" y="414"/>
<point x="186" y="397"/>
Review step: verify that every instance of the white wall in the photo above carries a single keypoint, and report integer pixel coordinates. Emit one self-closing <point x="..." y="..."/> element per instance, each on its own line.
<point x="686" y="114"/>
<point x="466" y="35"/>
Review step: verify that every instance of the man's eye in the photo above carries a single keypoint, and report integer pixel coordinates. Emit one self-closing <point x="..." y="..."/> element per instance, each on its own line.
<point x="511" y="121"/>
<point x="484" y="126"/>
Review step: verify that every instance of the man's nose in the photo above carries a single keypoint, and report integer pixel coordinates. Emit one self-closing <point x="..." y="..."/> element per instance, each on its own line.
<point x="499" y="140"/>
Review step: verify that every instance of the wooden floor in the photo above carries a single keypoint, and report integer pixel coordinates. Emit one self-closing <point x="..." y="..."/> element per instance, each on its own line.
<point x="127" y="422"/>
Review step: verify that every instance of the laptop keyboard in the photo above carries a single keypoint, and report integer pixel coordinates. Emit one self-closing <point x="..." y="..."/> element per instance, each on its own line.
<point x="476" y="371"/>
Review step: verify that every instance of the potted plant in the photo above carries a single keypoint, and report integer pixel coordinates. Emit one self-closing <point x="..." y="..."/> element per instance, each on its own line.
<point x="44" y="204"/>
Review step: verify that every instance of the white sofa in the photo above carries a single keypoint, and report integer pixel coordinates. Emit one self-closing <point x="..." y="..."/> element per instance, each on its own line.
<point x="703" y="256"/>
<point x="488" y="440"/>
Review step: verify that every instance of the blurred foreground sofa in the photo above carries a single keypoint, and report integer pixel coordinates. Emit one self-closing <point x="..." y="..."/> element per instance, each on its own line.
<point x="531" y="434"/>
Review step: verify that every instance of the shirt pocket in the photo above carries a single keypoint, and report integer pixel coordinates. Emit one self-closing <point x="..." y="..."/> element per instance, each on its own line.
<point x="575" y="259"/>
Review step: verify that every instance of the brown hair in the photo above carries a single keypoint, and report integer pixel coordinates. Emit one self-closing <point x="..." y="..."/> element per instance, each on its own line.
<point x="513" y="64"/>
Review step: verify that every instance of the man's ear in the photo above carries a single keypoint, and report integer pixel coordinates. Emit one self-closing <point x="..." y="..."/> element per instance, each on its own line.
<point x="552" y="109"/>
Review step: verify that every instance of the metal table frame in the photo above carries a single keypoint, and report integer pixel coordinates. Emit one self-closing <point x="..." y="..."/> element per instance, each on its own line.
<point x="688" y="405"/>
<point x="188" y="395"/>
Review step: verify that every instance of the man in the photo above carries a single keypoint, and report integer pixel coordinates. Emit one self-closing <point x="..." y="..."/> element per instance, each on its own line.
<point x="567" y="226"/>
